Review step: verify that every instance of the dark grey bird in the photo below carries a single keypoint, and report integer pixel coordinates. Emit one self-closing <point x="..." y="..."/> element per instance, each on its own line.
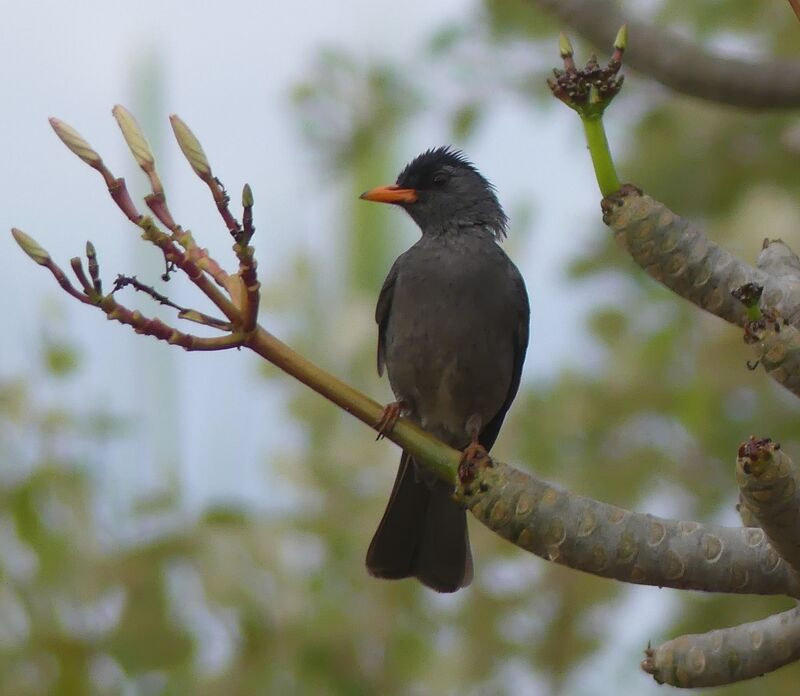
<point x="452" y="334"/>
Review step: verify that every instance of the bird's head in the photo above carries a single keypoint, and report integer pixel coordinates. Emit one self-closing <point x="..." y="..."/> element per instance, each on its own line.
<point x="444" y="193"/>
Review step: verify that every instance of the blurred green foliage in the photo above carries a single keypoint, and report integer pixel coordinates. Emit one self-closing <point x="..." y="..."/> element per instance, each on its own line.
<point x="234" y="603"/>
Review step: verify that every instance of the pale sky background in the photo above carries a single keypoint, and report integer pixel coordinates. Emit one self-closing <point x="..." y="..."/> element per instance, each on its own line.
<point x="227" y="69"/>
<point x="228" y="72"/>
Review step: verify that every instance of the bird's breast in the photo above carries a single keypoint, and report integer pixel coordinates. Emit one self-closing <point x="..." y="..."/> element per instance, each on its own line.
<point x="449" y="338"/>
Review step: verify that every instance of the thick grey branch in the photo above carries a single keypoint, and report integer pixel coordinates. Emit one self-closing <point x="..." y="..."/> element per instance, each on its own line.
<point x="768" y="483"/>
<point x="777" y="259"/>
<point x="680" y="64"/>
<point x="727" y="655"/>
<point x="679" y="255"/>
<point x="608" y="541"/>
<point x="777" y="348"/>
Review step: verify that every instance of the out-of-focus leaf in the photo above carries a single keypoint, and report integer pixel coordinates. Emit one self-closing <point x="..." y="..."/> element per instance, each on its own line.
<point x="511" y="19"/>
<point x="60" y="359"/>
<point x="465" y="120"/>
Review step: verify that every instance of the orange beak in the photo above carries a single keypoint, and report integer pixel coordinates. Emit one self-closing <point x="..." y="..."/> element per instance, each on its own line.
<point x="390" y="194"/>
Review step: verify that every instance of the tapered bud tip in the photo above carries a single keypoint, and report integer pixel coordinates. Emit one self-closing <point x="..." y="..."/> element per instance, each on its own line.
<point x="31" y="247"/>
<point x="191" y="148"/>
<point x="621" y="41"/>
<point x="90" y="252"/>
<point x="247" y="196"/>
<point x="564" y="46"/>
<point x="73" y="140"/>
<point x="133" y="135"/>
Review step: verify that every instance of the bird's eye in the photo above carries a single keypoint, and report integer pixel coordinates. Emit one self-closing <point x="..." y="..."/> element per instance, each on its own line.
<point x="439" y="178"/>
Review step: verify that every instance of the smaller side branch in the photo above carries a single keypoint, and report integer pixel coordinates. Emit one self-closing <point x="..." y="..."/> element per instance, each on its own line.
<point x="776" y="344"/>
<point x="174" y="255"/>
<point x="247" y="263"/>
<point x="117" y="312"/>
<point x="596" y="141"/>
<point x="157" y="199"/>
<point x="196" y="156"/>
<point x="727" y="655"/>
<point x="119" y="193"/>
<point x="34" y="251"/>
<point x="202" y="258"/>
<point x="94" y="268"/>
<point x="123" y="281"/>
<point x="681" y="257"/>
<point x="77" y="268"/>
<point x="588" y="91"/>
<point x="768" y="483"/>
<point x="163" y="332"/>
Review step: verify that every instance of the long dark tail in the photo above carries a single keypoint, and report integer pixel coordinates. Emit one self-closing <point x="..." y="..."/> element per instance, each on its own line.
<point x="423" y="534"/>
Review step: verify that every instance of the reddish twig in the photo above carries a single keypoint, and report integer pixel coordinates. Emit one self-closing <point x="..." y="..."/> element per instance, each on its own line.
<point x="123" y="281"/>
<point x="94" y="268"/>
<point x="247" y="263"/>
<point x="193" y="151"/>
<point x="163" y="332"/>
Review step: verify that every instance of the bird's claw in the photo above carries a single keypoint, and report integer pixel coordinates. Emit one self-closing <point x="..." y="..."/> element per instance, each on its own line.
<point x="471" y="458"/>
<point x="391" y="414"/>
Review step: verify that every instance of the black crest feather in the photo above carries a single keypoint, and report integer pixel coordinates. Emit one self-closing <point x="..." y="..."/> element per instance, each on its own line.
<point x="435" y="158"/>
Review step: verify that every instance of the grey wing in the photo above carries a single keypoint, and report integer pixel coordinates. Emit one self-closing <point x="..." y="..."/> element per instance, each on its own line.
<point x="490" y="432"/>
<point x="382" y="314"/>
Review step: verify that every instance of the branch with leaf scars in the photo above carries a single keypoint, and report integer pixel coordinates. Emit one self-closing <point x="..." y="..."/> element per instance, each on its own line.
<point x="614" y="543"/>
<point x="769" y="486"/>
<point x="727" y="655"/>
<point x="769" y="498"/>
<point x="666" y="246"/>
<point x="681" y="257"/>
<point x="779" y="261"/>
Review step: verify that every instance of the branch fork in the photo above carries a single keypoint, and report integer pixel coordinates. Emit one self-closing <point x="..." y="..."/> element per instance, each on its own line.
<point x="177" y="246"/>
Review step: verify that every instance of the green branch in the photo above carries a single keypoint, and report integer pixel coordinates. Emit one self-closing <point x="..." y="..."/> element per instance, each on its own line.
<point x="589" y="91"/>
<point x="604" y="170"/>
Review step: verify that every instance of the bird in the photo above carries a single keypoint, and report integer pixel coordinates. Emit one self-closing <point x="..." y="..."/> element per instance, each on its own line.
<point x="453" y="321"/>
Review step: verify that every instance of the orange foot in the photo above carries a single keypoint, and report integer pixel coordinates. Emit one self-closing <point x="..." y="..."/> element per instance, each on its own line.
<point x="471" y="456"/>
<point x="391" y="413"/>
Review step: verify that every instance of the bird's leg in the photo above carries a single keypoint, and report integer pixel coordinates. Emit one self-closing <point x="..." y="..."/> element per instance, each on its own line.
<point x="471" y="458"/>
<point x="473" y="452"/>
<point x="391" y="413"/>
